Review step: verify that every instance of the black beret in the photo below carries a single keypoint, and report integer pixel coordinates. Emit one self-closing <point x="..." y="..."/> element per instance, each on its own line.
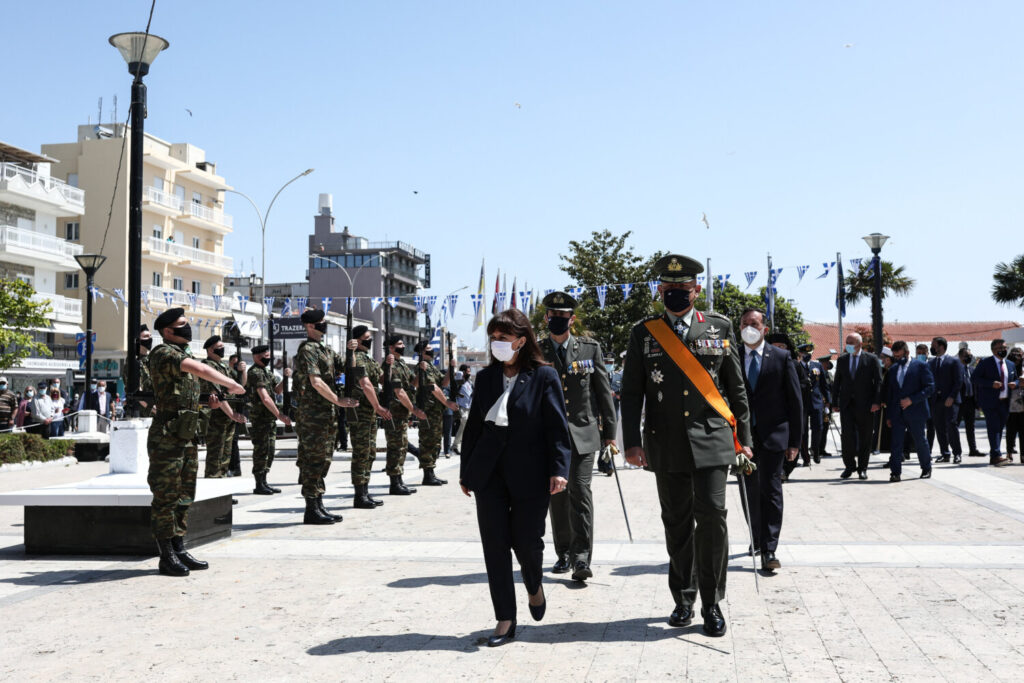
<point x="312" y="316"/>
<point x="257" y="350"/>
<point x="168" y="318"/>
<point x="358" y="331"/>
<point x="212" y="341"/>
<point x="143" y="328"/>
<point x="394" y="339"/>
<point x="423" y="347"/>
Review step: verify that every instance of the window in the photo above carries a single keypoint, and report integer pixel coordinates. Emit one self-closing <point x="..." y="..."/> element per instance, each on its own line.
<point x="158" y="231"/>
<point x="197" y="287"/>
<point x="179" y="283"/>
<point x="158" y="279"/>
<point x="195" y="242"/>
<point x="70" y="280"/>
<point x="197" y="198"/>
<point x="73" y="179"/>
<point x="179" y="192"/>
<point x="71" y="231"/>
<point x="158" y="183"/>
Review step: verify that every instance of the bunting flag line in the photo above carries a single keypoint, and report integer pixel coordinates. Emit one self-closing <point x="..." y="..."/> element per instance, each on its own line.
<point x="452" y="300"/>
<point x="216" y="302"/>
<point x="431" y="302"/>
<point x="751" y="275"/>
<point x="94" y="292"/>
<point x="801" y="271"/>
<point x="192" y="298"/>
<point x="653" y="286"/>
<point x="575" y="292"/>
<point x="392" y="301"/>
<point x="119" y="293"/>
<point x="326" y="303"/>
<point x="774" y="277"/>
<point x="286" y="307"/>
<point x="828" y="269"/>
<point x="145" y="300"/>
<point x="501" y="300"/>
<point x="268" y="304"/>
<point x="855" y="263"/>
<point x="300" y="304"/>
<point x="169" y="298"/>
<point x="548" y="291"/>
<point x="524" y="301"/>
<point x="375" y="302"/>
<point x="350" y="301"/>
<point x="627" y="289"/>
<point x="478" y="307"/>
<point x="243" y="301"/>
<point x="417" y="301"/>
<point x="602" y="294"/>
<point x="700" y="279"/>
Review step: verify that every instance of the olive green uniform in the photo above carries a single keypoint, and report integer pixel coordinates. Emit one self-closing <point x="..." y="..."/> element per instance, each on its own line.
<point x="363" y="432"/>
<point x="173" y="458"/>
<point x="220" y="430"/>
<point x="264" y="424"/>
<point x="688" y="445"/>
<point x="431" y="430"/>
<point x="145" y="382"/>
<point x="397" y="429"/>
<point x="315" y="421"/>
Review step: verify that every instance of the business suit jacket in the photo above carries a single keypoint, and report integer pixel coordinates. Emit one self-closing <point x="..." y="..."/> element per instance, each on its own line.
<point x="861" y="391"/>
<point x="984" y="375"/>
<point x="918" y="386"/>
<point x="776" y="402"/>
<point x="536" y="439"/>
<point x="948" y="375"/>
<point x="587" y="391"/>
<point x="682" y="431"/>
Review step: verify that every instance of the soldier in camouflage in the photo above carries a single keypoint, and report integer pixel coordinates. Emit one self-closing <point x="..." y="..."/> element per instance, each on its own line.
<point x="366" y="374"/>
<point x="220" y="430"/>
<point x="144" y="343"/>
<point x="173" y="458"/>
<point x="435" y="403"/>
<point x="315" y="423"/>
<point x="264" y="415"/>
<point x="397" y="429"/>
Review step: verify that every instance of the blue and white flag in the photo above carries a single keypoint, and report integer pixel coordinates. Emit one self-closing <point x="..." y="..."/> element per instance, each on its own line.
<point x="94" y="292"/>
<point x="435" y="341"/>
<point x="871" y="268"/>
<point x="443" y="315"/>
<point x="119" y="293"/>
<point x="216" y="302"/>
<point x="575" y="292"/>
<point x="801" y="271"/>
<point x="243" y="301"/>
<point x="828" y="269"/>
<point x="627" y="289"/>
<point x="300" y="304"/>
<point x="417" y="301"/>
<point x="478" y="302"/>
<point x="350" y="301"/>
<point x="700" y="279"/>
<point x="602" y="293"/>
<point x="548" y="291"/>
<point x="169" y="298"/>
<point x="769" y="302"/>
<point x="502" y="297"/>
<point x="375" y="302"/>
<point x="653" y="286"/>
<point x="286" y="307"/>
<point x="524" y="300"/>
<point x="751" y="275"/>
<point x="192" y="299"/>
<point x="326" y="302"/>
<point x="268" y="304"/>
<point x="145" y="300"/>
<point x="452" y="300"/>
<point x="855" y="263"/>
<point x="775" y="272"/>
<point x="431" y="302"/>
<point x="392" y="301"/>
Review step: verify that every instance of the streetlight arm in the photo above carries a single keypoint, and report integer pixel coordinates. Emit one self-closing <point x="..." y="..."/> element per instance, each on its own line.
<point x="277" y="194"/>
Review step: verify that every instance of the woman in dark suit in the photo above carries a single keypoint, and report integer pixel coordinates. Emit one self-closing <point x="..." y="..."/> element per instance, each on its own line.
<point x="515" y="455"/>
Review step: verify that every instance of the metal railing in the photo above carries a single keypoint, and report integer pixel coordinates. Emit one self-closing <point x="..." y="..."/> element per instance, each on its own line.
<point x="191" y="254"/>
<point x="37" y="241"/>
<point x="207" y="214"/>
<point x="70" y="194"/>
<point x="61" y="305"/>
<point x="163" y="199"/>
<point x="403" y="246"/>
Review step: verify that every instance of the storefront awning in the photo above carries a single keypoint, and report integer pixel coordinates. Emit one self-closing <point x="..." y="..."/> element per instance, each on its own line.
<point x="248" y="325"/>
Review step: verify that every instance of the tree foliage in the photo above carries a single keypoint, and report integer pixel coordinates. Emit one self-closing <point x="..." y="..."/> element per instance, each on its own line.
<point x="731" y="302"/>
<point x="1008" y="287"/>
<point x="860" y="283"/>
<point x="19" y="315"/>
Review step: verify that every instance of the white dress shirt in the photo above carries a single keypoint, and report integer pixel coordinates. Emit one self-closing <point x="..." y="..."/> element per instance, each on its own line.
<point x="498" y="414"/>
<point x="759" y="350"/>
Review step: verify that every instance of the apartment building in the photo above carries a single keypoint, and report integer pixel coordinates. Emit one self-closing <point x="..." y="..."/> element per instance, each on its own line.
<point x="37" y="213"/>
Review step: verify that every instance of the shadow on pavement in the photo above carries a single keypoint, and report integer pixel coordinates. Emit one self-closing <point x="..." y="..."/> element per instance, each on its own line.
<point x="76" y="578"/>
<point x="638" y="569"/>
<point x="265" y="525"/>
<point x="423" y="581"/>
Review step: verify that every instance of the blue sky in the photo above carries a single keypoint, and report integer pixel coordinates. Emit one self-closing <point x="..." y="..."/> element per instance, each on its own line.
<point x="798" y="127"/>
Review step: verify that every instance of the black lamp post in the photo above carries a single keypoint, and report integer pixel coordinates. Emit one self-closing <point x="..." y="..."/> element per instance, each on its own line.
<point x="875" y="240"/>
<point x="139" y="50"/>
<point x="90" y="263"/>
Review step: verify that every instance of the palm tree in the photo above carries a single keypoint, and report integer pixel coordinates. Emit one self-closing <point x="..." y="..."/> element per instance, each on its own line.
<point x="860" y="283"/>
<point x="1009" y="282"/>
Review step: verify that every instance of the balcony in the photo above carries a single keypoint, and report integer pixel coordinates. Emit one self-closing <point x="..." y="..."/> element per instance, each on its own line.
<point x="188" y="256"/>
<point x="205" y="217"/>
<point x="24" y="187"/>
<point x="162" y="203"/>
<point x="29" y="247"/>
<point x="62" y="309"/>
<point x="397" y="246"/>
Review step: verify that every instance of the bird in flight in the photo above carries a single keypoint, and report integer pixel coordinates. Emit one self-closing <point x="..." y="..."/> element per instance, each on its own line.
<point x="518" y="106"/>
<point x="189" y="111"/>
<point x="704" y="220"/>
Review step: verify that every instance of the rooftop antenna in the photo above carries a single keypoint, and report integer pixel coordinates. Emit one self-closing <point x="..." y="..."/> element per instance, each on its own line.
<point x="114" y="121"/>
<point x="99" y="116"/>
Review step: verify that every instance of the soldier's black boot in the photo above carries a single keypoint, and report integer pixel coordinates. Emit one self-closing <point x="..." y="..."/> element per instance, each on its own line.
<point x="178" y="544"/>
<point x="261" y="486"/>
<point x="325" y="511"/>
<point x="398" y="487"/>
<point x="431" y="479"/>
<point x="362" y="499"/>
<point x="273" y="489"/>
<point x="170" y="564"/>
<point x="313" y="514"/>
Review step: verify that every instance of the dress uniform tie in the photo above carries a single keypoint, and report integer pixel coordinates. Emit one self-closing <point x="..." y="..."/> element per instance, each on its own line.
<point x="561" y="355"/>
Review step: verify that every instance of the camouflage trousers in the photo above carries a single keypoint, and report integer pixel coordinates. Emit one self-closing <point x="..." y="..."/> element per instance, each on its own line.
<point x="363" y="437"/>
<point x="173" y="465"/>
<point x="316" y="432"/>
<point x="430" y="437"/>
<point x="263" y="434"/>
<point x="219" y="436"/>
<point x="397" y="438"/>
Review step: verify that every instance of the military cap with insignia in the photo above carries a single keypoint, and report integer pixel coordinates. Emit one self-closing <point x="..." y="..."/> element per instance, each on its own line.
<point x="824" y="359"/>
<point x="212" y="341"/>
<point x="559" y="301"/>
<point x="312" y="316"/>
<point x="805" y="347"/>
<point x="168" y="318"/>
<point x="676" y="268"/>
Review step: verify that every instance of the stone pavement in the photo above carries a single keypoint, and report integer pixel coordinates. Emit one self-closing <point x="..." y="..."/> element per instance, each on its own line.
<point x="915" y="581"/>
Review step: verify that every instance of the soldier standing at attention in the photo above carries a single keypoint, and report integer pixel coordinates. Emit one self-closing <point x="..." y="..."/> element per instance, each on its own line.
<point x="397" y="428"/>
<point x="144" y="343"/>
<point x="591" y="412"/>
<point x="315" y="420"/>
<point x="221" y="428"/>
<point x="173" y="457"/>
<point x="264" y="414"/>
<point x="366" y="373"/>
<point x="239" y="373"/>
<point x="430" y="430"/>
<point x="682" y="369"/>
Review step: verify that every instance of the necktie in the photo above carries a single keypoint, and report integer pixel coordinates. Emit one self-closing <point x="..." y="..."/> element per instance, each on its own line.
<point x="754" y="371"/>
<point x="903" y="372"/>
<point x="968" y="387"/>
<point x="561" y="355"/>
<point x="853" y="366"/>
<point x="1002" y="376"/>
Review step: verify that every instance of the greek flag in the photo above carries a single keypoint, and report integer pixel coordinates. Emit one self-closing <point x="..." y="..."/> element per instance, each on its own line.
<point x="216" y="302"/>
<point x="243" y="301"/>
<point x="326" y="302"/>
<point x="478" y="303"/>
<point x="548" y="291"/>
<point x="855" y="263"/>
<point x="119" y="293"/>
<point x="169" y="298"/>
<point x="94" y="292"/>
<point x="801" y="271"/>
<point x="627" y="289"/>
<point x="602" y="293"/>
<point x="417" y="301"/>
<point x="300" y="304"/>
<point x="392" y="301"/>
<point x="286" y="307"/>
<point x="502" y="296"/>
<point x="375" y="302"/>
<point x="775" y="272"/>
<point x="524" y="300"/>
<point x="452" y="300"/>
<point x="431" y="302"/>
<point x="268" y="303"/>
<point x="653" y="286"/>
<point x="576" y="292"/>
<point x="828" y="269"/>
<point x="192" y="300"/>
<point x="145" y="300"/>
<point x="751" y="276"/>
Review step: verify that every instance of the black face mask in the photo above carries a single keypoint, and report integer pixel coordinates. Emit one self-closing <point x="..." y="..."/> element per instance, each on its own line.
<point x="321" y="327"/>
<point x="185" y="332"/>
<point x="1001" y="353"/>
<point x="262" y="361"/>
<point x="677" y="300"/>
<point x="146" y="343"/>
<point x="934" y="351"/>
<point x="429" y="358"/>
<point x="558" y="325"/>
<point x="399" y="350"/>
<point x="366" y="343"/>
<point x="219" y="352"/>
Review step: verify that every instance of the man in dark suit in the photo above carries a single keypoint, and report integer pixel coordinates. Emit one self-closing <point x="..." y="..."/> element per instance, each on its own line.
<point x="856" y="394"/>
<point x="776" y="419"/>
<point x="909" y="385"/>
<point x="580" y="364"/>
<point x="686" y="440"/>
<point x="813" y="399"/>
<point x="994" y="378"/>
<point x="827" y="365"/>
<point x="968" y="400"/>
<point x="945" y="402"/>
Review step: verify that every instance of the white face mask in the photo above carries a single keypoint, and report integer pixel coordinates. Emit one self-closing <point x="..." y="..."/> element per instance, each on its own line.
<point x="750" y="334"/>
<point x="502" y="350"/>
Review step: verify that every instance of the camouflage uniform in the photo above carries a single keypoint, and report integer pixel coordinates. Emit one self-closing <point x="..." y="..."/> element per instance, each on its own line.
<point x="398" y="435"/>
<point x="363" y="432"/>
<point x="173" y="458"/>
<point x="315" y="423"/>
<point x="430" y="434"/>
<point x="145" y="382"/>
<point x="221" y="429"/>
<point x="264" y="424"/>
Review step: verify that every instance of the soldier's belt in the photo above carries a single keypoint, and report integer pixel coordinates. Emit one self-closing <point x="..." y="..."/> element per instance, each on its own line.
<point x="694" y="371"/>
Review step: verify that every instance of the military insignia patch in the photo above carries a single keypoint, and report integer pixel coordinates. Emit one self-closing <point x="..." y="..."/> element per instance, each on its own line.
<point x="660" y="397"/>
<point x="713" y="332"/>
<point x="657" y="377"/>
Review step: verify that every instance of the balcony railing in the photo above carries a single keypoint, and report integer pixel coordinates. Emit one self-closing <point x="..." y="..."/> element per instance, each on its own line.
<point x="163" y="199"/>
<point x="207" y="214"/>
<point x="61" y="306"/>
<point x="37" y="241"/>
<point x="71" y="194"/>
<point x="180" y="251"/>
<point x="403" y="246"/>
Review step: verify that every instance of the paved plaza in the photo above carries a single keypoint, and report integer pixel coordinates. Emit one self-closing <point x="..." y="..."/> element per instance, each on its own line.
<point x="922" y="580"/>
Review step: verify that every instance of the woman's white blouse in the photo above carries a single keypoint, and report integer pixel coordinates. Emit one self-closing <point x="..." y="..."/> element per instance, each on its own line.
<point x="498" y="414"/>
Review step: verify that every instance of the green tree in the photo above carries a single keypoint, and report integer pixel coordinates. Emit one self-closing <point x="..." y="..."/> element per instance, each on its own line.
<point x="860" y="283"/>
<point x="731" y="302"/>
<point x="1009" y="282"/>
<point x="19" y="315"/>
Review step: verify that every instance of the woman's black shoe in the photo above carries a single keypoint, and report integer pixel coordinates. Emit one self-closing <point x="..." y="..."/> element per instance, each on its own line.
<point x="495" y="641"/>
<point x="537" y="611"/>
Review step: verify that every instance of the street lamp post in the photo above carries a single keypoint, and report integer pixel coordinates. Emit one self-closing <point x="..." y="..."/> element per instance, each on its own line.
<point x="875" y="240"/>
<point x="139" y="50"/>
<point x="90" y="263"/>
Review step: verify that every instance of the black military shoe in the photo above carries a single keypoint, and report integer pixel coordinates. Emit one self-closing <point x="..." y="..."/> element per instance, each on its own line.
<point x="846" y="474"/>
<point x="170" y="563"/>
<point x="324" y="511"/>
<point x="581" y="572"/>
<point x="816" y="458"/>
<point x="957" y="459"/>
<point x="769" y="562"/>
<point x="261" y="486"/>
<point x="313" y="514"/>
<point x="714" y="622"/>
<point x="681" y="616"/>
<point x="894" y="477"/>
<point x="561" y="566"/>
<point x="431" y="479"/>
<point x="362" y="499"/>
<point x="178" y="544"/>
<point x="926" y="474"/>
<point x="398" y="487"/>
<point x="862" y="474"/>
<point x="942" y="458"/>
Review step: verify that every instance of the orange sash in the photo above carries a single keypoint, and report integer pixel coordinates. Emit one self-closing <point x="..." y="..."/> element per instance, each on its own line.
<point x="694" y="371"/>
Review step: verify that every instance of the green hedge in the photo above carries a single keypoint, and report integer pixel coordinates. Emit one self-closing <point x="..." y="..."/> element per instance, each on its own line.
<point x="20" y="447"/>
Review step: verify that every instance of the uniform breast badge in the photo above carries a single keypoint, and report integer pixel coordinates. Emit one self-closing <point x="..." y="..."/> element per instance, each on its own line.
<point x="713" y="332"/>
<point x="660" y="397"/>
<point x="657" y="377"/>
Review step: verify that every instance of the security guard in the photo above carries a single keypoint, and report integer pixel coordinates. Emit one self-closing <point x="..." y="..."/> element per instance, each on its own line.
<point x="431" y="428"/>
<point x="591" y="413"/>
<point x="220" y="430"/>
<point x="173" y="458"/>
<point x="814" y="404"/>
<point x="260" y="387"/>
<point x="366" y="374"/>
<point x="396" y="429"/>
<point x="682" y="370"/>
